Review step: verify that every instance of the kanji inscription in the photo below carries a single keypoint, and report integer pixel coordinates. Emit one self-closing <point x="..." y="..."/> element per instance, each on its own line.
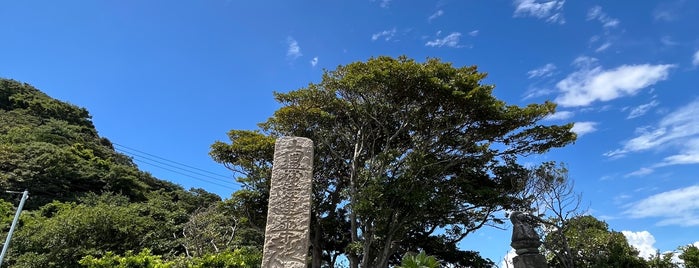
<point x="288" y="216"/>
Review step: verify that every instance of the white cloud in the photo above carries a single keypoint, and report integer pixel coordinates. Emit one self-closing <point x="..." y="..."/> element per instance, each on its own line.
<point x="561" y="115"/>
<point x="695" y="59"/>
<point x="475" y="33"/>
<point x="639" y="173"/>
<point x="596" y="13"/>
<point x="585" y="62"/>
<point x="386" y="35"/>
<point x="689" y="154"/>
<point x="549" y="10"/>
<point x="537" y="92"/>
<point x="451" y="40"/>
<point x="507" y="260"/>
<point x="664" y="15"/>
<point x="643" y="241"/>
<point x="582" y="128"/>
<point x="603" y="47"/>
<point x="668" y="10"/>
<point x="642" y="109"/>
<point x="679" y="128"/>
<point x="543" y="71"/>
<point x="435" y="15"/>
<point x="385" y="3"/>
<point x="679" y="207"/>
<point x="314" y="61"/>
<point x="667" y="41"/>
<point x="592" y="83"/>
<point x="294" y="51"/>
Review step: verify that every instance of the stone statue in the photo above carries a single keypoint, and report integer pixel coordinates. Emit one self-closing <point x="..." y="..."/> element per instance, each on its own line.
<point x="526" y="241"/>
<point x="524" y="237"/>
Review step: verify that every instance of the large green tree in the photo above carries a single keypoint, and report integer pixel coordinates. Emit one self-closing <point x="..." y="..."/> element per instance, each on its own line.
<point x="409" y="156"/>
<point x="690" y="256"/>
<point x="593" y="245"/>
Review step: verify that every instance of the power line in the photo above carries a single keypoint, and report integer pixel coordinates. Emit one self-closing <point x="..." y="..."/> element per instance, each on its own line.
<point x="138" y="156"/>
<point x="170" y="165"/>
<point x="189" y="176"/>
<point x="178" y="163"/>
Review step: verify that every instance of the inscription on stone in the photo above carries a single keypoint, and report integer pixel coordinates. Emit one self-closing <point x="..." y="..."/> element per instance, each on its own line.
<point x="288" y="216"/>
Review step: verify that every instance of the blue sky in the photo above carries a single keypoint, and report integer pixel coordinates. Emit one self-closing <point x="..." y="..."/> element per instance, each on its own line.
<point x="171" y="77"/>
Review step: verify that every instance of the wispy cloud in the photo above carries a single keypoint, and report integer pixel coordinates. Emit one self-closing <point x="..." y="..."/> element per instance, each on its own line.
<point x="543" y="71"/>
<point x="603" y="46"/>
<point x="314" y="61"/>
<point x="695" y="58"/>
<point x="643" y="241"/>
<point x="689" y="154"/>
<point x="668" y="10"/>
<point x="294" y="50"/>
<point x="551" y="11"/>
<point x="667" y="41"/>
<point x="642" y="109"/>
<point x="676" y="207"/>
<point x="596" y="13"/>
<point x="582" y="128"/>
<point x="451" y="40"/>
<point x="385" y="3"/>
<point x="592" y="83"/>
<point x="387" y="35"/>
<point x="560" y="115"/>
<point x="640" y="172"/>
<point x="537" y="92"/>
<point x="678" y="129"/>
<point x="435" y="15"/>
<point x="473" y="33"/>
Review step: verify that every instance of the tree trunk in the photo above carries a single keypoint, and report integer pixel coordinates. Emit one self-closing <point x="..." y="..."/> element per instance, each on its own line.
<point x="367" y="257"/>
<point x="317" y="251"/>
<point x="352" y="256"/>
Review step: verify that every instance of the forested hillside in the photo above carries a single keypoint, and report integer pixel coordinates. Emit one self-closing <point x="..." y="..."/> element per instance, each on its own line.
<point x="86" y="199"/>
<point x="52" y="149"/>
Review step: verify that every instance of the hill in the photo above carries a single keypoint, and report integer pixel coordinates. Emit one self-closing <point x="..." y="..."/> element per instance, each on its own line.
<point x="90" y="205"/>
<point x="52" y="149"/>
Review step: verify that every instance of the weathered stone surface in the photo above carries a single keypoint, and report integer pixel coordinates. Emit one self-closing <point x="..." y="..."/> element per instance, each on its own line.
<point x="529" y="261"/>
<point x="288" y="216"/>
<point x="526" y="241"/>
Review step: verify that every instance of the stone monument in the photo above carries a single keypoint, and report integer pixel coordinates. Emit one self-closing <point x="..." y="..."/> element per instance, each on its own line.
<point x="289" y="212"/>
<point x="526" y="242"/>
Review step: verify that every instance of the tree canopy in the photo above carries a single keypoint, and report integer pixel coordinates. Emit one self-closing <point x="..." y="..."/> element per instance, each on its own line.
<point x="690" y="256"/>
<point x="409" y="156"/>
<point x="593" y="245"/>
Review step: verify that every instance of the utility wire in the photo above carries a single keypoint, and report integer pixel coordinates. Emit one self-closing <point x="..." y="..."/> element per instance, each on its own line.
<point x="173" y="166"/>
<point x="138" y="156"/>
<point x="188" y="175"/>
<point x="178" y="163"/>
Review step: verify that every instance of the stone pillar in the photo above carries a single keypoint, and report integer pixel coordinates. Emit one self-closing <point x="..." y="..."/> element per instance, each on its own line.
<point x="526" y="242"/>
<point x="289" y="213"/>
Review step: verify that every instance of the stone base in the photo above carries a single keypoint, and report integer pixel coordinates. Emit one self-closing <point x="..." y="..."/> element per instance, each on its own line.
<point x="530" y="261"/>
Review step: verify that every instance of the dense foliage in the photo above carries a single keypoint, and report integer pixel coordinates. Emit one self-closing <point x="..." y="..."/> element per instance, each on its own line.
<point x="239" y="258"/>
<point x="593" y="245"/>
<point x="690" y="256"/>
<point x="86" y="199"/>
<point x="409" y="156"/>
<point x="52" y="149"/>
